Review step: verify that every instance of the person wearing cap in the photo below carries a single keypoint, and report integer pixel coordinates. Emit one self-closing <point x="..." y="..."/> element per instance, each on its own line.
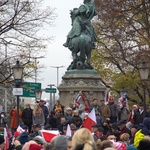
<point x="27" y="115"/>
<point x="94" y="105"/>
<point x="100" y="133"/>
<point x="113" y="110"/>
<point x="130" y="122"/>
<point x="139" y="115"/>
<point x="104" y="110"/>
<point x="68" y="114"/>
<point x="123" y="129"/>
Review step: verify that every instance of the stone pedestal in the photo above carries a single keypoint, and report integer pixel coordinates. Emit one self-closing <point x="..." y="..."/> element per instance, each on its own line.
<point x="74" y="81"/>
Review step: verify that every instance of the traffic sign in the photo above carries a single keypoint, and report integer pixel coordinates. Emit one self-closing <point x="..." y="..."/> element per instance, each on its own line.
<point x="50" y="90"/>
<point x="29" y="88"/>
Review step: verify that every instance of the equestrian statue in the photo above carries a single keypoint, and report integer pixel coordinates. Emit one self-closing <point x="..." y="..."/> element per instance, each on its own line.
<point x="81" y="38"/>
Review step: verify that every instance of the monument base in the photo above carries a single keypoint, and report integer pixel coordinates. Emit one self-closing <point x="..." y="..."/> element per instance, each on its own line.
<point x="74" y="81"/>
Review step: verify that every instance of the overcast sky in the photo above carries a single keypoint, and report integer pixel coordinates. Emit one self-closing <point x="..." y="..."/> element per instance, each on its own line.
<point x="57" y="54"/>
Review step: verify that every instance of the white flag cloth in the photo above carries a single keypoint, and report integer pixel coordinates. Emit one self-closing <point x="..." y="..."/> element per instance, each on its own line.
<point x="90" y="120"/>
<point x="68" y="130"/>
<point x="20" y="130"/>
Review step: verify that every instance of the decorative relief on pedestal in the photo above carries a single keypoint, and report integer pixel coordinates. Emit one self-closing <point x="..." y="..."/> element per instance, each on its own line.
<point x="81" y="82"/>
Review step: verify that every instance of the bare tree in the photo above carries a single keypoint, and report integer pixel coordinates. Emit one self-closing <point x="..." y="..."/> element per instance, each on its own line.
<point x="21" y="36"/>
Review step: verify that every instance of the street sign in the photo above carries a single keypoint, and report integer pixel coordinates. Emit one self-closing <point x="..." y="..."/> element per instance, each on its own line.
<point x="29" y="88"/>
<point x="17" y="91"/>
<point x="50" y="90"/>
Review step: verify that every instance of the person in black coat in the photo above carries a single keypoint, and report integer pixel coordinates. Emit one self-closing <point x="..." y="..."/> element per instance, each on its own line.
<point x="139" y="115"/>
<point x="52" y="120"/>
<point x="27" y="117"/>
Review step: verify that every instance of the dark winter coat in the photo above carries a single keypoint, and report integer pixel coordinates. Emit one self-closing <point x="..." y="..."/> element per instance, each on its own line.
<point x="27" y="116"/>
<point x="77" y="121"/>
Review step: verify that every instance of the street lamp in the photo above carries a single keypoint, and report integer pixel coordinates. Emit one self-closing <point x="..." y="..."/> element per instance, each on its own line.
<point x="18" y="74"/>
<point x="38" y="94"/>
<point x="144" y="72"/>
<point x="57" y="67"/>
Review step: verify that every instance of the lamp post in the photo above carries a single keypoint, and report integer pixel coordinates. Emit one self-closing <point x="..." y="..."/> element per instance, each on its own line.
<point x="18" y="74"/>
<point x="38" y="94"/>
<point x="144" y="72"/>
<point x="57" y="67"/>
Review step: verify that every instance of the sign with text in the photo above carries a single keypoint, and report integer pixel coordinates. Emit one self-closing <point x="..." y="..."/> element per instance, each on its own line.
<point x="17" y="91"/>
<point x="29" y="88"/>
<point x="50" y="90"/>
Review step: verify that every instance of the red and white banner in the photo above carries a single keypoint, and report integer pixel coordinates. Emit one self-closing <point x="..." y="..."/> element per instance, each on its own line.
<point x="90" y="120"/>
<point x="20" y="130"/>
<point x="6" y="139"/>
<point x="49" y="134"/>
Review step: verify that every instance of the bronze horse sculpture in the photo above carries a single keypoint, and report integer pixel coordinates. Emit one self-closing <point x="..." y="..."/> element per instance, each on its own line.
<point x="81" y="38"/>
<point x="81" y="47"/>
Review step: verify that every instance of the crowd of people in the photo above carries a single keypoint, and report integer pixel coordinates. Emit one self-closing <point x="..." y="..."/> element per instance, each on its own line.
<point x="117" y="126"/>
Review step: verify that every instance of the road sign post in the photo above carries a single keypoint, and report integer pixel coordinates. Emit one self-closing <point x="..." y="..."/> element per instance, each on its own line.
<point x="50" y="90"/>
<point x="29" y="88"/>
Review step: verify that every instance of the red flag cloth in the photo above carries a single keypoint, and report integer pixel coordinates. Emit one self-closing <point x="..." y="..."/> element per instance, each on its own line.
<point x="48" y="135"/>
<point x="6" y="139"/>
<point x="90" y="120"/>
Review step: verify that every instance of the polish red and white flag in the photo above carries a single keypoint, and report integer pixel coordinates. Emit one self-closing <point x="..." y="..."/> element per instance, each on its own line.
<point x="6" y="139"/>
<point x="90" y="120"/>
<point x="49" y="134"/>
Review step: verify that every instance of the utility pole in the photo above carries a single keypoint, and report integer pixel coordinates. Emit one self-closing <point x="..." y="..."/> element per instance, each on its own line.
<point x="57" y="67"/>
<point x="35" y="63"/>
<point x="51" y="101"/>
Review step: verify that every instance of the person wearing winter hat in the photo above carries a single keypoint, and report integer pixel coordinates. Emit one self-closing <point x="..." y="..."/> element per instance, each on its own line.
<point x="26" y="146"/>
<point x="119" y="145"/>
<point x="35" y="147"/>
<point x="23" y="138"/>
<point x="39" y="140"/>
<point x="59" y="143"/>
<point x="113" y="110"/>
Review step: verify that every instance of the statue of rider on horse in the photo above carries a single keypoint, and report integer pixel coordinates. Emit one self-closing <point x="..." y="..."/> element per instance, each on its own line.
<point x="81" y="38"/>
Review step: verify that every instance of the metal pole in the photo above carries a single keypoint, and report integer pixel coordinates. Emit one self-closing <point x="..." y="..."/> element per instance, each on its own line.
<point x="144" y="100"/>
<point x="35" y="69"/>
<point x="17" y="110"/>
<point x="57" y="67"/>
<point x="53" y="100"/>
<point x="57" y="75"/>
<point x="5" y="100"/>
